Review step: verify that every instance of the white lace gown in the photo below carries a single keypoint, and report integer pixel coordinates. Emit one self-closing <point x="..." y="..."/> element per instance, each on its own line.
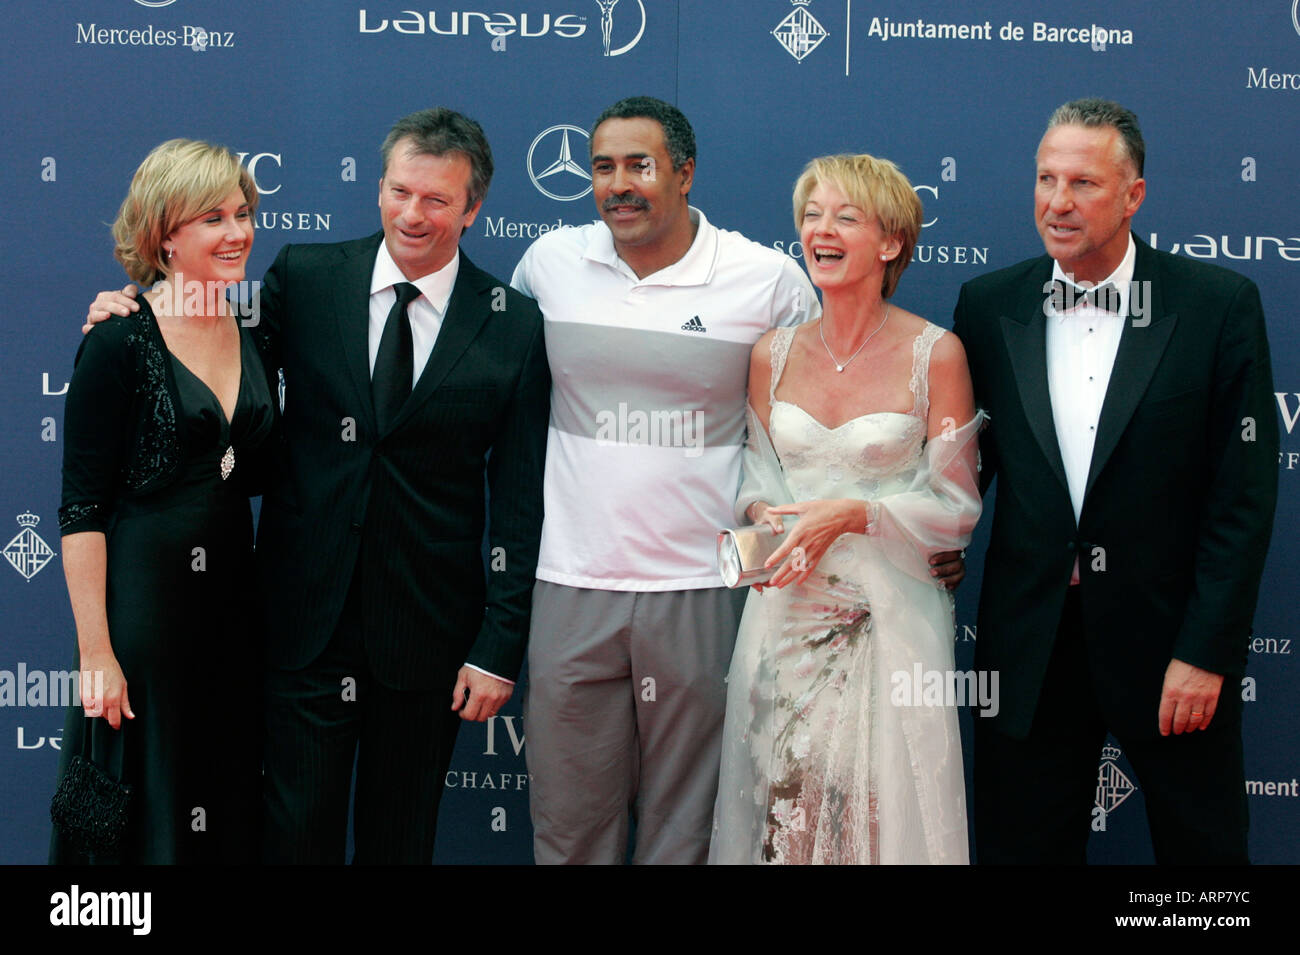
<point x="826" y="756"/>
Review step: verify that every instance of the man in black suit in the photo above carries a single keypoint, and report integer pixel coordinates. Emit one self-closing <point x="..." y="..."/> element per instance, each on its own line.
<point x="408" y="375"/>
<point x="1135" y="448"/>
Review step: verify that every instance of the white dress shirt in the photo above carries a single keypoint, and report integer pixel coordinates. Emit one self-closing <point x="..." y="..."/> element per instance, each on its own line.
<point x="1081" y="346"/>
<point x="426" y="312"/>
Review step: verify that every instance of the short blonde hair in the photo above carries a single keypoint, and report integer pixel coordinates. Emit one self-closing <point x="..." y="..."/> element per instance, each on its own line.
<point x="878" y="188"/>
<point x="178" y="180"/>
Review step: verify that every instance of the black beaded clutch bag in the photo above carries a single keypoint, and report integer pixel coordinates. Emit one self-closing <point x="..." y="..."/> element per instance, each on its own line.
<point x="90" y="807"/>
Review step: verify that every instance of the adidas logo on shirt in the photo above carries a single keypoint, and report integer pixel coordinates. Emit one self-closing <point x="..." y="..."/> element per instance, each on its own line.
<point x="694" y="325"/>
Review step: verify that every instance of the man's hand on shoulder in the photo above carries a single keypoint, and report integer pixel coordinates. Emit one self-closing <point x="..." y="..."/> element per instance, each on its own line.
<point x="111" y="303"/>
<point x="486" y="694"/>
<point x="1189" y="698"/>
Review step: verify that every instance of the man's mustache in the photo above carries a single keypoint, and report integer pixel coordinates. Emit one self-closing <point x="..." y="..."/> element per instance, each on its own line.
<point x="627" y="199"/>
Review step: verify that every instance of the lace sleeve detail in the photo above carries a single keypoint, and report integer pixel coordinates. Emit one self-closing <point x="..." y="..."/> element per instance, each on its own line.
<point x="780" y="352"/>
<point x="919" y="385"/>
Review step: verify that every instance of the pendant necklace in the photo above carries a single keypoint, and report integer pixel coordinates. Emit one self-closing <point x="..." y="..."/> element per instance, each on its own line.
<point x="840" y="366"/>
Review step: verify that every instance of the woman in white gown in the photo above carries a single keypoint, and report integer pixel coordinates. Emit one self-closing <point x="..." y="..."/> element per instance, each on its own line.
<point x="862" y="443"/>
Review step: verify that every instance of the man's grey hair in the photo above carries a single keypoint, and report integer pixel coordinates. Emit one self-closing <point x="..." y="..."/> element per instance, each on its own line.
<point x="1093" y="113"/>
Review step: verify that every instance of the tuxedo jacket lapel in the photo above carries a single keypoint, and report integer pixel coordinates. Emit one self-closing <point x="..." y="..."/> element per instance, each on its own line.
<point x="1140" y="348"/>
<point x="1024" y="332"/>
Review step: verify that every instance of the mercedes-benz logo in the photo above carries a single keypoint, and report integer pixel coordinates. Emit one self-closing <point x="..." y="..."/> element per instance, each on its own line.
<point x="569" y="179"/>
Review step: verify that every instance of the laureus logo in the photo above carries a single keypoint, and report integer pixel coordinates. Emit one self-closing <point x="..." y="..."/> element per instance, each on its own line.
<point x="1295" y="15"/>
<point x="550" y="159"/>
<point x="607" y="27"/>
<point x="800" y="32"/>
<point x="155" y="3"/>
<point x="618" y="34"/>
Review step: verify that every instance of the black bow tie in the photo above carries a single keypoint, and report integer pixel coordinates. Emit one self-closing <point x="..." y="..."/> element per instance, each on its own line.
<point x="1067" y="297"/>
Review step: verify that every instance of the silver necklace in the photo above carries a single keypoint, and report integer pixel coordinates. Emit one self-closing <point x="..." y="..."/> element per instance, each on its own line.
<point x="841" y="365"/>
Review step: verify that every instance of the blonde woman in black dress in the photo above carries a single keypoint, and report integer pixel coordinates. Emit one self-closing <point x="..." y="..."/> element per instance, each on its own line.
<point x="166" y="414"/>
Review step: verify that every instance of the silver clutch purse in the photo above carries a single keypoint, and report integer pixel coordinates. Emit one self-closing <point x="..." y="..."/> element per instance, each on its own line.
<point x="742" y="551"/>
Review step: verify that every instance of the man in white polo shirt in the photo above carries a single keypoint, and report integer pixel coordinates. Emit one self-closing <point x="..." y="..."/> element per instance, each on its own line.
<point x="650" y="316"/>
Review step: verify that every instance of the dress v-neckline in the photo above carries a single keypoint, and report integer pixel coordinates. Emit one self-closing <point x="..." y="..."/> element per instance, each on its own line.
<point x="227" y="419"/>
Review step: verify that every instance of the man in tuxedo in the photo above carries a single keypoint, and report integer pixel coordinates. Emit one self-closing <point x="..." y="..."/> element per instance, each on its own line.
<point x="408" y="376"/>
<point x="1135" y="447"/>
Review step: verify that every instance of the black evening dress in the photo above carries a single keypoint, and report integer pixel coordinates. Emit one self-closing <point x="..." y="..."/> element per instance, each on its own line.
<point x="152" y="462"/>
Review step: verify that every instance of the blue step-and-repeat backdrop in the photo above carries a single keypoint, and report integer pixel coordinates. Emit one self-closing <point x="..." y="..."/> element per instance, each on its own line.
<point x="955" y="93"/>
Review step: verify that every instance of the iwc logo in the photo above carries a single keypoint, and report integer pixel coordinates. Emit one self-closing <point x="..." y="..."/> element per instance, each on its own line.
<point x="607" y="28"/>
<point x="550" y="158"/>
<point x="799" y="32"/>
<point x="27" y="553"/>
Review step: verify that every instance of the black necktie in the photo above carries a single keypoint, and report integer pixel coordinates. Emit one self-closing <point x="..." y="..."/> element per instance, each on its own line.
<point x="390" y="385"/>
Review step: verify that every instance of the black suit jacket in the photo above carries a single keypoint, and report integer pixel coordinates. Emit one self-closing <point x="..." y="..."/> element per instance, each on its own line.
<point x="1180" y="495"/>
<point x="408" y="503"/>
